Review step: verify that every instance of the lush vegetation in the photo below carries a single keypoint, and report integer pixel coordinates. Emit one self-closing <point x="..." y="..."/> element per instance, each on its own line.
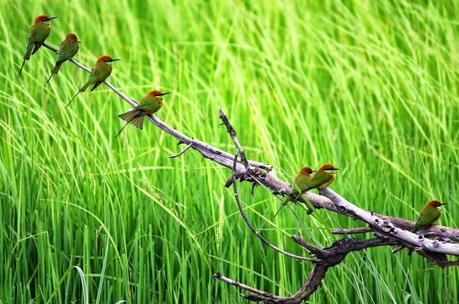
<point x="371" y="86"/>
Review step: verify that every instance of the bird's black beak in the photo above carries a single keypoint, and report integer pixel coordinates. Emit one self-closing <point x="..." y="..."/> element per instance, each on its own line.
<point x="442" y="204"/>
<point x="114" y="59"/>
<point x="51" y="18"/>
<point x="164" y="93"/>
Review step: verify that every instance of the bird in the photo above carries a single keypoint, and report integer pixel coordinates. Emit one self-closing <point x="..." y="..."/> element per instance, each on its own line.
<point x="38" y="33"/>
<point x="100" y="71"/>
<point x="67" y="49"/>
<point x="150" y="104"/>
<point x="428" y="215"/>
<point x="300" y="182"/>
<point x="322" y="178"/>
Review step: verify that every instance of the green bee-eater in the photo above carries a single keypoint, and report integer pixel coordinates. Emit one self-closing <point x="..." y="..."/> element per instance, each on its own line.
<point x="38" y="33"/>
<point x="150" y="104"/>
<point x="322" y="178"/>
<point x="301" y="182"/>
<point x="67" y="49"/>
<point x="101" y="70"/>
<point x="428" y="215"/>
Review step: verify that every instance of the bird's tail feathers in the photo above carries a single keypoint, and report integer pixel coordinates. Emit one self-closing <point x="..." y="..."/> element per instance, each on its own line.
<point x="82" y="89"/>
<point x="57" y="66"/>
<point x="74" y="96"/>
<point x="278" y="210"/>
<point x="49" y="78"/>
<point x="132" y="117"/>
<point x="22" y="66"/>
<point x="285" y="203"/>
<point x="85" y="86"/>
<point x="128" y="116"/>
<point x="28" y="51"/>
<point x="96" y="85"/>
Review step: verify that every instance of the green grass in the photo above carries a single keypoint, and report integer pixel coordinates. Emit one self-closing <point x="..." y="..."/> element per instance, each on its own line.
<point x="371" y="86"/>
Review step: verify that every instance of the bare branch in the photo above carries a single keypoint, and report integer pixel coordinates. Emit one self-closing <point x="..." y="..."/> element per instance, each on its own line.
<point x="325" y="258"/>
<point x="388" y="229"/>
<point x="262" y="293"/>
<point x="251" y="227"/>
<point x="219" y="156"/>
<point x="351" y="230"/>
<point x="232" y="133"/>
<point x="183" y="151"/>
<point x="268" y="179"/>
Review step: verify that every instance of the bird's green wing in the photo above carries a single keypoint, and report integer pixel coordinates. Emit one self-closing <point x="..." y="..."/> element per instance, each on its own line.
<point x="101" y="71"/>
<point x="426" y="218"/>
<point x="302" y="180"/>
<point x="38" y="33"/>
<point x="33" y="33"/>
<point x="67" y="50"/>
<point x="318" y="179"/>
<point x="150" y="104"/>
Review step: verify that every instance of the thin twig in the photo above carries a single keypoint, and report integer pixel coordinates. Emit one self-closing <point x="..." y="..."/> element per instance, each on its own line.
<point x="251" y="227"/>
<point x="325" y="258"/>
<point x="221" y="277"/>
<point x="183" y="151"/>
<point x="233" y="135"/>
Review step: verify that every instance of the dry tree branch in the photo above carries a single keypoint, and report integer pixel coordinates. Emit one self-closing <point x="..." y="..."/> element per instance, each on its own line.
<point x="250" y="225"/>
<point x="183" y="151"/>
<point x="325" y="258"/>
<point x="387" y="234"/>
<point x="219" y="156"/>
<point x="389" y="230"/>
<point x="347" y="231"/>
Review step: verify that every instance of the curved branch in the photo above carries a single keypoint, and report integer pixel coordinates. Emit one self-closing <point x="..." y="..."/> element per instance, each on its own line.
<point x="252" y="228"/>
<point x="183" y="151"/>
<point x="326" y="258"/>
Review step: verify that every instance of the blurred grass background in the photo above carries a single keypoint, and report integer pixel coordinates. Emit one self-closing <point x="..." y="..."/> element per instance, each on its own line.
<point x="371" y="86"/>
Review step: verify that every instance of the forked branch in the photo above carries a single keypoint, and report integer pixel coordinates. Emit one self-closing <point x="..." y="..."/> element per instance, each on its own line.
<point x="387" y="234"/>
<point x="435" y="243"/>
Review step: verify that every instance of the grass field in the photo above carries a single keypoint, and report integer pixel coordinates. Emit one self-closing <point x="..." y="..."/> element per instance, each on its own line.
<point x="371" y="86"/>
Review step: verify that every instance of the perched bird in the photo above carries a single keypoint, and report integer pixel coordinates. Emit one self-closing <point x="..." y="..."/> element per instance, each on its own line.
<point x="38" y="33"/>
<point x="150" y="104"/>
<point x="67" y="49"/>
<point x="322" y="178"/>
<point x="301" y="182"/>
<point x="428" y="215"/>
<point x="101" y="70"/>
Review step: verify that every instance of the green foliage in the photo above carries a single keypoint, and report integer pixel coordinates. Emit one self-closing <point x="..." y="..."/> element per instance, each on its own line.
<point x="370" y="86"/>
